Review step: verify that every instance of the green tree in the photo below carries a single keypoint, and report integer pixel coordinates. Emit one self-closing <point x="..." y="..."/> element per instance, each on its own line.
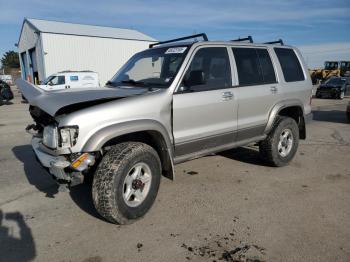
<point x="10" y="60"/>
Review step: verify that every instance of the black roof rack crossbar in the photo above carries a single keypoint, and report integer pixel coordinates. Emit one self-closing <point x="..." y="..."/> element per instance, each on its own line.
<point x="279" y="41"/>
<point x="249" y="38"/>
<point x="204" y="36"/>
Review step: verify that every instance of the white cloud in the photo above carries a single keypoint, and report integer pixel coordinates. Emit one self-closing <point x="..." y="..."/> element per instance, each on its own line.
<point x="316" y="55"/>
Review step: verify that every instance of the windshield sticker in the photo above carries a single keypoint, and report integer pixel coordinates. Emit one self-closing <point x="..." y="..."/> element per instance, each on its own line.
<point x="176" y="50"/>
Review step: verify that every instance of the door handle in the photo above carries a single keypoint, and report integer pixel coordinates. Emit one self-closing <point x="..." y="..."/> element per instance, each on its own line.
<point x="227" y="95"/>
<point x="273" y="89"/>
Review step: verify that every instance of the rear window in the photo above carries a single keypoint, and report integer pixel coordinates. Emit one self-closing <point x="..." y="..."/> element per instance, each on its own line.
<point x="254" y="66"/>
<point x="290" y="65"/>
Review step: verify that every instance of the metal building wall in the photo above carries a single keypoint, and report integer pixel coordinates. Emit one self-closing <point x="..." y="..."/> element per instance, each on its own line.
<point x="102" y="55"/>
<point x="29" y="40"/>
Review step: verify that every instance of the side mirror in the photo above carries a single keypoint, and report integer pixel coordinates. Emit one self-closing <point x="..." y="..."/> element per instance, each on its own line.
<point x="50" y="83"/>
<point x="195" y="78"/>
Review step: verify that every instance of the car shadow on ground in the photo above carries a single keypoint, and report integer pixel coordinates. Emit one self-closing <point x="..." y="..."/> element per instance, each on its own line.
<point x="333" y="116"/>
<point x="7" y="103"/>
<point x="247" y="155"/>
<point x="13" y="248"/>
<point x="81" y="195"/>
<point x="35" y="173"/>
<point x="42" y="180"/>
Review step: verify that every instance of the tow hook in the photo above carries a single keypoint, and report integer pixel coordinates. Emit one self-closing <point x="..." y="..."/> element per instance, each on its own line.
<point x="33" y="127"/>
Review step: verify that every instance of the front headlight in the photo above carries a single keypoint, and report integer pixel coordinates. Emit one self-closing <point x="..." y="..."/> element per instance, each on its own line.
<point x="68" y="136"/>
<point x="50" y="136"/>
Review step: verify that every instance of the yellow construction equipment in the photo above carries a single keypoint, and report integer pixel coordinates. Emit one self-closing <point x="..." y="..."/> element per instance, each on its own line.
<point x="331" y="68"/>
<point x="344" y="68"/>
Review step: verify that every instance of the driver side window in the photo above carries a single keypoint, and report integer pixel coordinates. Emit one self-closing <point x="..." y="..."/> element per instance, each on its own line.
<point x="58" y="80"/>
<point x="209" y="70"/>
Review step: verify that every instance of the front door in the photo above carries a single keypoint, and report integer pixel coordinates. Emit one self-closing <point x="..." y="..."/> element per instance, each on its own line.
<point x="57" y="83"/>
<point x="204" y="106"/>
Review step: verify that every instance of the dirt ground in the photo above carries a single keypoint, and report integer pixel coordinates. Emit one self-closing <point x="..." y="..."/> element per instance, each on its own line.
<point x="225" y="207"/>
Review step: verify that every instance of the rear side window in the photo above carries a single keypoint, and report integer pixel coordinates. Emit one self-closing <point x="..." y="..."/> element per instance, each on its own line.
<point x="290" y="65"/>
<point x="254" y="66"/>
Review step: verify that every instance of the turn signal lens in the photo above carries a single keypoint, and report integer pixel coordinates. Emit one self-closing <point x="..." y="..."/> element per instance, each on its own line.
<point x="79" y="160"/>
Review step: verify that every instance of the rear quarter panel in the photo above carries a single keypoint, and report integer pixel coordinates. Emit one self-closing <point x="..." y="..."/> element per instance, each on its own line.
<point x="298" y="90"/>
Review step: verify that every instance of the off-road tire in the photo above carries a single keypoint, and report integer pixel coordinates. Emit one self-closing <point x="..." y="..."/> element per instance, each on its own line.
<point x="109" y="179"/>
<point x="268" y="148"/>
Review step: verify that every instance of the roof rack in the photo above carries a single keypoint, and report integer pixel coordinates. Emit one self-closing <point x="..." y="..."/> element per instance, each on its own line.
<point x="204" y="36"/>
<point x="279" y="41"/>
<point x="249" y="38"/>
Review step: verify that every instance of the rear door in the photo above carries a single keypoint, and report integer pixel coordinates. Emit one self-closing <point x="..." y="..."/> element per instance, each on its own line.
<point x="258" y="89"/>
<point x="204" y="106"/>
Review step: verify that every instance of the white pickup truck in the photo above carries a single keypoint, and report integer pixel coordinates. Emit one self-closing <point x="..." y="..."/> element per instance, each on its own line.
<point x="70" y="79"/>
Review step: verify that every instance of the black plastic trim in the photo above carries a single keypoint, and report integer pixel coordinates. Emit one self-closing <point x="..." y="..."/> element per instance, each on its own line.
<point x="248" y="38"/>
<point x="203" y="35"/>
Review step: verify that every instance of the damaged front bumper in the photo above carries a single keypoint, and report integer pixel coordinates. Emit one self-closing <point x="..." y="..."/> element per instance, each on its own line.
<point x="58" y="166"/>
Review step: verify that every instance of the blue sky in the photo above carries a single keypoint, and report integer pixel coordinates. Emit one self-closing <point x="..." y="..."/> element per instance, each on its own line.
<point x="320" y="28"/>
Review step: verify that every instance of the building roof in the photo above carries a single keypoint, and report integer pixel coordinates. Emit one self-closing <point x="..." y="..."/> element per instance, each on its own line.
<point x="55" y="27"/>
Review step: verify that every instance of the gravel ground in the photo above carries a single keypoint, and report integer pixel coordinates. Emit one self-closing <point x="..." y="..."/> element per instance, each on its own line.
<point x="225" y="207"/>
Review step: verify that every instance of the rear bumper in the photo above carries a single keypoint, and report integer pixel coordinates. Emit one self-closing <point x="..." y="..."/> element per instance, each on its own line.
<point x="308" y="118"/>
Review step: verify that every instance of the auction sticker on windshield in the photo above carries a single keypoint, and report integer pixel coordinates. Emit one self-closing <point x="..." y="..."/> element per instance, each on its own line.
<point x="176" y="50"/>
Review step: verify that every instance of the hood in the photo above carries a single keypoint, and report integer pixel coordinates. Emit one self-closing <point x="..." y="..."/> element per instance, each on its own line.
<point x="53" y="101"/>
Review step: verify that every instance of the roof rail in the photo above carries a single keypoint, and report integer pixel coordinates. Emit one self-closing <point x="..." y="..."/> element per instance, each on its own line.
<point x="204" y="36"/>
<point x="279" y="41"/>
<point x="249" y="38"/>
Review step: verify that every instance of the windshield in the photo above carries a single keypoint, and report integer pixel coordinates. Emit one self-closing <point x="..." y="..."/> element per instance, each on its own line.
<point x="331" y="65"/>
<point x="345" y="65"/>
<point x="47" y="80"/>
<point x="151" y="68"/>
<point x="336" y="81"/>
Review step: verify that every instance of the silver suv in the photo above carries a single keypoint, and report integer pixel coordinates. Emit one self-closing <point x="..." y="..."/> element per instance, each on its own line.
<point x="173" y="102"/>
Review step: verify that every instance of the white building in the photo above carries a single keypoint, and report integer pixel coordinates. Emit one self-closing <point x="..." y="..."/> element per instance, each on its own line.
<point x="47" y="47"/>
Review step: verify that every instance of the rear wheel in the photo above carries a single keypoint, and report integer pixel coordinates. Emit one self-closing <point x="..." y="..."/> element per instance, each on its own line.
<point x="126" y="182"/>
<point x="280" y="146"/>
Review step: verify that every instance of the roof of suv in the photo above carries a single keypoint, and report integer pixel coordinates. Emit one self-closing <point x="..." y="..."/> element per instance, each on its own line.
<point x="248" y="41"/>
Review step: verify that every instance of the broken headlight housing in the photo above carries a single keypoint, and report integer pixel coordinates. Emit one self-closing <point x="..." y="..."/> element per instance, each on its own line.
<point x="50" y="136"/>
<point x="68" y="136"/>
<point x="62" y="137"/>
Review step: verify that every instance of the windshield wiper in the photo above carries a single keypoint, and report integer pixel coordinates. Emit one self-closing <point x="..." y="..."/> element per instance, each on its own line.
<point x="150" y="86"/>
<point x="110" y="83"/>
<point x="133" y="82"/>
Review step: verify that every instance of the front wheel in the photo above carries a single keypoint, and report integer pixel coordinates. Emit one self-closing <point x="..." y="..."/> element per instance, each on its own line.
<point x="280" y="146"/>
<point x="126" y="182"/>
